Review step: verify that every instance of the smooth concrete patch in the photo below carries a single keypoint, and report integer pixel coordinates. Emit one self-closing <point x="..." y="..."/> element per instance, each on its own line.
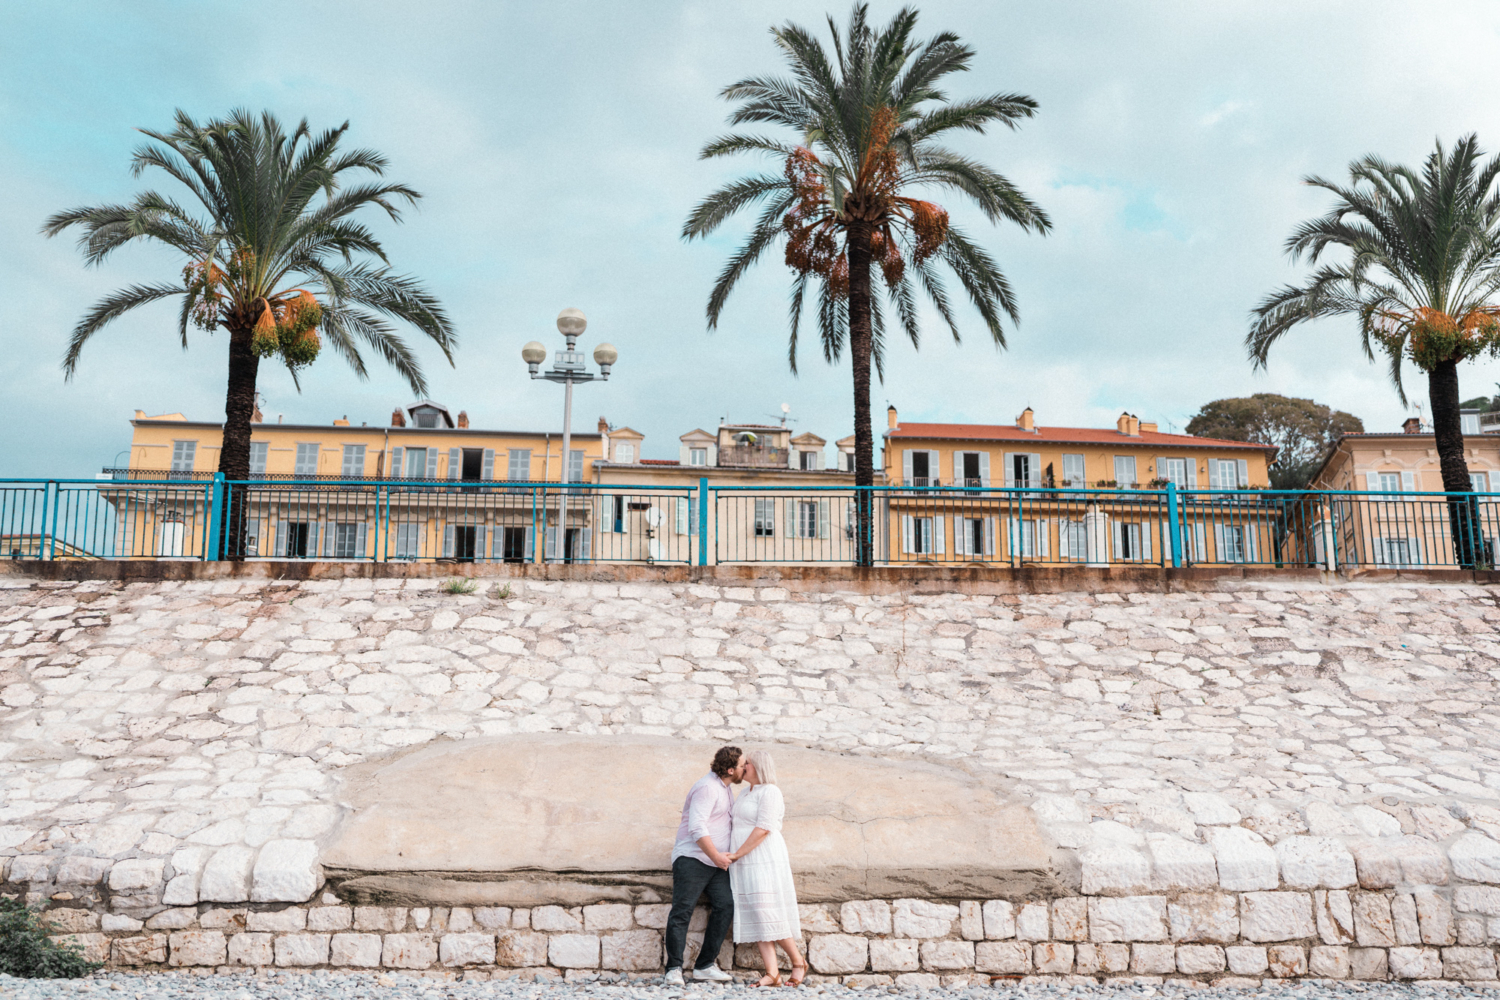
<point x="525" y="820"/>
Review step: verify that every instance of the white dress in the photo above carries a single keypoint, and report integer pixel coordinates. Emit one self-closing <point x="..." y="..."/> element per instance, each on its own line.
<point x="765" y="900"/>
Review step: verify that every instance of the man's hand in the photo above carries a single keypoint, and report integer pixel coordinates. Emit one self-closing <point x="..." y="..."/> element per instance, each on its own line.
<point x="722" y="860"/>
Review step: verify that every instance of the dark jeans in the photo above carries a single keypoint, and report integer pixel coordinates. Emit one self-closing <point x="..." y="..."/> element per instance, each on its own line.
<point x="691" y="878"/>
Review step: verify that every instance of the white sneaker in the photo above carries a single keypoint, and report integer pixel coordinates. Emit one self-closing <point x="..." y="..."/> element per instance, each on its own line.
<point x="672" y="978"/>
<point x="712" y="974"/>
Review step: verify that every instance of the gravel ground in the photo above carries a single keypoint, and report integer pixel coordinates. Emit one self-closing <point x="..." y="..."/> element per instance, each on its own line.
<point x="317" y="986"/>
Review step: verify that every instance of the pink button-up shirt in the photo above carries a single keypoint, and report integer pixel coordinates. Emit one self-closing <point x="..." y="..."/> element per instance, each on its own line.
<point x="706" y="813"/>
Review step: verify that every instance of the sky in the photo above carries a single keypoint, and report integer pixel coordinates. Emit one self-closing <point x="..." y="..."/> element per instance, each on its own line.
<point x="556" y="148"/>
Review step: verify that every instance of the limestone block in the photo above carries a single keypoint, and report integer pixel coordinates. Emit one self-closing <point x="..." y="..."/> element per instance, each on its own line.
<point x="1128" y="918"/>
<point x="1404" y="919"/>
<point x="292" y="918"/>
<point x="1334" y="913"/>
<point x="1153" y="959"/>
<point x="1368" y="963"/>
<point x="116" y="922"/>
<point x="469" y="948"/>
<point x="380" y="918"/>
<point x="222" y="918"/>
<point x="970" y="920"/>
<point x="1286" y="961"/>
<point x="302" y="949"/>
<point x="999" y="920"/>
<point x="1001" y="957"/>
<point x="1326" y="961"/>
<point x="252" y="949"/>
<point x="573" y="951"/>
<point x="817" y="918"/>
<point x="1246" y="960"/>
<point x="30" y="868"/>
<point x="1315" y="863"/>
<point x="1276" y="916"/>
<point x="1244" y="860"/>
<point x="868" y="981"/>
<point x="520" y="949"/>
<point x="361" y="951"/>
<point x="1324" y="820"/>
<point x="1435" y="918"/>
<point x="408" y="951"/>
<point x="1200" y="959"/>
<point x="860" y="916"/>
<point x="148" y="949"/>
<point x="947" y="956"/>
<point x="494" y="918"/>
<point x="1204" y="916"/>
<point x="1032" y="923"/>
<point x="1477" y="899"/>
<point x="918" y="918"/>
<point x="95" y="947"/>
<point x="330" y="918"/>
<point x="1211" y="809"/>
<point x="71" y="920"/>
<point x="1090" y="959"/>
<point x="917" y="981"/>
<point x="79" y="870"/>
<point x="1470" y="931"/>
<point x="1475" y="858"/>
<point x="1422" y="861"/>
<point x="1468" y="963"/>
<point x="1070" y="919"/>
<point x="1114" y="869"/>
<point x="1178" y="864"/>
<point x="1052" y="958"/>
<point x="607" y="917"/>
<point x="226" y="875"/>
<point x="134" y="874"/>
<point x="1372" y="920"/>
<point x="838" y="954"/>
<point x="632" y="951"/>
<point x="1415" y="963"/>
<point x="1375" y="864"/>
<point x="197" y="948"/>
<point x="286" y="871"/>
<point x="893" y="955"/>
<point x="176" y="919"/>
<point x="556" y="920"/>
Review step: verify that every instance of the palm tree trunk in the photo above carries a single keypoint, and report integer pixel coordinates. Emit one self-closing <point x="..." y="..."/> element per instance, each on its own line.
<point x="234" y="451"/>
<point x="860" y="341"/>
<point x="1463" y="522"/>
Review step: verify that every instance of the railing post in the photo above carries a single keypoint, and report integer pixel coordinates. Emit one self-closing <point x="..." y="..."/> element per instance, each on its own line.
<point x="215" y="506"/>
<point x="1174" y="525"/>
<point x="703" y="521"/>
<point x="378" y="546"/>
<point x="538" y="531"/>
<point x="43" y="550"/>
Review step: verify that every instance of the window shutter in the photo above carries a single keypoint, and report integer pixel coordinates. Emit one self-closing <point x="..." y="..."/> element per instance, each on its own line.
<point x="989" y="536"/>
<point x="906" y="470"/>
<point x="938" y="531"/>
<point x="361" y="530"/>
<point x="1408" y="482"/>
<point x="394" y="472"/>
<point x="530" y="545"/>
<point x="1064" y="527"/>
<point x="822" y="518"/>
<point x="684" y="454"/>
<point x="1219" y="543"/>
<point x="432" y="463"/>
<point x="326" y="532"/>
<point x="448" y="542"/>
<point x="984" y="468"/>
<point x="1010" y="468"/>
<point x="713" y="454"/>
<point x="1161" y="467"/>
<point x="479" y="538"/>
<point x="489" y="464"/>
<point x="1192" y="471"/>
<point x="455" y="463"/>
<point x="1145" y="542"/>
<point x="906" y="530"/>
<point x="961" y="531"/>
<point x="1117" y="530"/>
<point x="1252" y="543"/>
<point x="1043" y="541"/>
<point x="1034" y="473"/>
<point x="1213" y="474"/>
<point x="280" y="551"/>
<point x="1200" y="542"/>
<point x="1244" y="471"/>
<point x="680" y="515"/>
<point x="549" y="543"/>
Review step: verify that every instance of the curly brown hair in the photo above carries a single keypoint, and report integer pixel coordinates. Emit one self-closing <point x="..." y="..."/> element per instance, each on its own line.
<point x="726" y="760"/>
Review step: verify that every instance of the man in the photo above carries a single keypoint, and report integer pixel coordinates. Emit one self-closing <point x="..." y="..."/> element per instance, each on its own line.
<point x="701" y="866"/>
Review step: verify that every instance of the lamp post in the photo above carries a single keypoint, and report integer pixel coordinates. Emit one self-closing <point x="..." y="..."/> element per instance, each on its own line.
<point x="568" y="368"/>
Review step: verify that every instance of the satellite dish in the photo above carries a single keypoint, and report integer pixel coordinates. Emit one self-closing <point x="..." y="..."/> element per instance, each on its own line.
<point x="654" y="517"/>
<point x="786" y="407"/>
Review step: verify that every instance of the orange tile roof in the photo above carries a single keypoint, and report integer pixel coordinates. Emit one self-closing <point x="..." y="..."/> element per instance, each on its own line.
<point x="1062" y="435"/>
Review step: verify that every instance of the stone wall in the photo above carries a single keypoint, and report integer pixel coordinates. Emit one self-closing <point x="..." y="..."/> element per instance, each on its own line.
<point x="1214" y="768"/>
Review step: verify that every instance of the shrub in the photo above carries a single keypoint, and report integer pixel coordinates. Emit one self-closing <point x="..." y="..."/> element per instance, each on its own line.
<point x="460" y="586"/>
<point x="503" y="594"/>
<point x="27" y="951"/>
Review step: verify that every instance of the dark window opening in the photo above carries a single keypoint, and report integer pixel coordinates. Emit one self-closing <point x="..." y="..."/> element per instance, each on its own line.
<point x="473" y="466"/>
<point x="919" y="468"/>
<point x="296" y="540"/>
<point x="465" y="538"/>
<point x="971" y="468"/>
<point x="514" y="549"/>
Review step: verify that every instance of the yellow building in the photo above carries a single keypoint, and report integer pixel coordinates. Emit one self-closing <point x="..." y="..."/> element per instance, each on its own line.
<point x="424" y="442"/>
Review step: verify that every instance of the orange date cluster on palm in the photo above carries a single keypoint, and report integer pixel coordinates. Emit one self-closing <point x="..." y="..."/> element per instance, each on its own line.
<point x="818" y="232"/>
<point x="287" y="325"/>
<point x="1433" y="336"/>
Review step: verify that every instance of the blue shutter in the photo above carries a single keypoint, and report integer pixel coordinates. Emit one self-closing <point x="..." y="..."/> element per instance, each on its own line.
<point x="432" y="455"/>
<point x="394" y="470"/>
<point x="455" y="463"/>
<point x="489" y="464"/>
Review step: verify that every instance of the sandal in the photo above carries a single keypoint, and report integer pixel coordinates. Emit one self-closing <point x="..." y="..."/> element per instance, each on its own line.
<point x="775" y="979"/>
<point x="799" y="973"/>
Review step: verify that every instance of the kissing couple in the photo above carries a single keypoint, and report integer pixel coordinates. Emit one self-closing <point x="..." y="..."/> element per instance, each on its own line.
<point x="752" y="882"/>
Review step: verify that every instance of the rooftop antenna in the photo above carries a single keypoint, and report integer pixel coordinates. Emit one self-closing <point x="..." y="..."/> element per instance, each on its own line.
<point x="785" y="409"/>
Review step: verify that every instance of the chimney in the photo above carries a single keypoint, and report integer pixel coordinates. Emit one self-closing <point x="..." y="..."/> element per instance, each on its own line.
<point x="603" y="426"/>
<point x="1135" y="426"/>
<point x="1027" y="420"/>
<point x="1149" y="428"/>
<point x="342" y="423"/>
<point x="140" y="414"/>
<point x="463" y="418"/>
<point x="257" y="417"/>
<point x="1123" y="423"/>
<point x="1413" y="425"/>
<point x="398" y="419"/>
<point x="890" y="417"/>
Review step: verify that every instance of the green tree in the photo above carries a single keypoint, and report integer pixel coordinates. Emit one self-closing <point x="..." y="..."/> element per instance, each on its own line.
<point x="867" y="123"/>
<point x="274" y="258"/>
<point x="1418" y="268"/>
<point x="1302" y="431"/>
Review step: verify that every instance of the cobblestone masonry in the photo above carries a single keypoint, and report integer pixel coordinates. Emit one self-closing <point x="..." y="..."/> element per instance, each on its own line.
<point x="1256" y="783"/>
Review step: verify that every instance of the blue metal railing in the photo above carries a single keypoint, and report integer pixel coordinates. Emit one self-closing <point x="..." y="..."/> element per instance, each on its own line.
<point x="517" y="522"/>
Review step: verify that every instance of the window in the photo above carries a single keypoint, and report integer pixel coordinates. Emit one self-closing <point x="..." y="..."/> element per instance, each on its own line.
<point x="518" y="465"/>
<point x="618" y="513"/>
<point x="697" y="456"/>
<point x="416" y="463"/>
<point x="919" y="531"/>
<point x="809" y="460"/>
<point x="624" y="454"/>
<point x="1020" y="470"/>
<point x="258" y="451"/>
<point x="575" y="466"/>
<point x="1389" y="482"/>
<point x="354" y="460"/>
<point x="426" y="416"/>
<point x="1479" y="482"/>
<point x="408" y="541"/>
<point x="183" y="453"/>
<point x="307" y="459"/>
<point x="1231" y="543"/>
<point x="1228" y="474"/>
<point x="347" y="539"/>
<point x="471" y="465"/>
<point x="1125" y="471"/>
<point x="765" y="517"/>
<point x="294" y="536"/>
<point x="1397" y="552"/>
<point x="973" y="536"/>
<point x="1072" y="539"/>
<point x="1128" y="541"/>
<point x="921" y="469"/>
<point x="973" y="468"/>
<point x="515" y="548"/>
<point x="1174" y="470"/>
<point x="1468" y="423"/>
<point x="807" y="519"/>
<point x="1073" y="471"/>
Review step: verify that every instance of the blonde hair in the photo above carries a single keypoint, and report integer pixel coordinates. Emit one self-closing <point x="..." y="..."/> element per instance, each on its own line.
<point x="765" y="768"/>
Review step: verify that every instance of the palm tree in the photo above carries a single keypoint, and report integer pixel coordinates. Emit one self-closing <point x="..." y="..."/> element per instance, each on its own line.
<point x="276" y="258"/>
<point x="1421" y="275"/>
<point x="867" y="124"/>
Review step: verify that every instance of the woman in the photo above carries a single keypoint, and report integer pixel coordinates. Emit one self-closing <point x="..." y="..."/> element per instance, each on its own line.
<point x="760" y="873"/>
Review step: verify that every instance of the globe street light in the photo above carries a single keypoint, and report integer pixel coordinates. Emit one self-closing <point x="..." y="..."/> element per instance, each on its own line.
<point x="568" y="368"/>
